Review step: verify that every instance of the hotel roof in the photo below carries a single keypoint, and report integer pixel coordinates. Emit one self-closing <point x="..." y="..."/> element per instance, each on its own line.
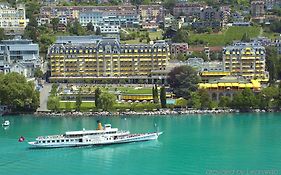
<point x="78" y="39"/>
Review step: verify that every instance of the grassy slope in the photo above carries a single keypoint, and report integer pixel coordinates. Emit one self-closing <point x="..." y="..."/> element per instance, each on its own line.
<point x="227" y="36"/>
<point x="152" y="36"/>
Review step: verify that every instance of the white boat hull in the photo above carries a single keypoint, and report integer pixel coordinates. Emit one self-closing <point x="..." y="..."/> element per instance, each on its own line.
<point x="124" y="139"/>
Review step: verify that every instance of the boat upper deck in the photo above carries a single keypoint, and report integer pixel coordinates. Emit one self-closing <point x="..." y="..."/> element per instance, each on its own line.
<point x="83" y="132"/>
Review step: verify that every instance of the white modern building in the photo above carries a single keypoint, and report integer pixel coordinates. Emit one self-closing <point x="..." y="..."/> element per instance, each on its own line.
<point x="19" y="55"/>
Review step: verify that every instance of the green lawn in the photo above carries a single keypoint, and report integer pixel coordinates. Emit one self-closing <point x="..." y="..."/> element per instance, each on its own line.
<point x="152" y="36"/>
<point x="123" y="90"/>
<point x="85" y="106"/>
<point x="131" y="90"/>
<point x="155" y="35"/>
<point x="227" y="36"/>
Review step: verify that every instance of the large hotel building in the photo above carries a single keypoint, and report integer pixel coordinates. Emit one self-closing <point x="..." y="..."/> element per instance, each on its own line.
<point x="246" y="60"/>
<point x="96" y="58"/>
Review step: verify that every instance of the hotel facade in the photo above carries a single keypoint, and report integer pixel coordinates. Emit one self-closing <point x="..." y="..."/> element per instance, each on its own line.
<point x="246" y="60"/>
<point x="96" y="59"/>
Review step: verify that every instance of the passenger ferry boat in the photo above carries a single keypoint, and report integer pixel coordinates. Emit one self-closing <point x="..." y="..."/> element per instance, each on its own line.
<point x="101" y="136"/>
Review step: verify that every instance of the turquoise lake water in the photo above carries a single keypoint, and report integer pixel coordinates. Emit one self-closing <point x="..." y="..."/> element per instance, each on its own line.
<point x="194" y="144"/>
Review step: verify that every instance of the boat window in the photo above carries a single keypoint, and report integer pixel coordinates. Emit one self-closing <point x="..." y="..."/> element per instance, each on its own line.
<point x="53" y="141"/>
<point x="58" y="141"/>
<point x="44" y="141"/>
<point x="72" y="140"/>
<point x="48" y="141"/>
<point x="62" y="140"/>
<point x="67" y="140"/>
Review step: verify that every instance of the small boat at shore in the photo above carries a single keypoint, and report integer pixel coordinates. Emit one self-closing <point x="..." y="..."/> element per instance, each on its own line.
<point x="101" y="136"/>
<point x="6" y="123"/>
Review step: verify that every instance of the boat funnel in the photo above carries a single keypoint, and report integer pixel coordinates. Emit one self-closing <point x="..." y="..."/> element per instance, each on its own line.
<point x="99" y="126"/>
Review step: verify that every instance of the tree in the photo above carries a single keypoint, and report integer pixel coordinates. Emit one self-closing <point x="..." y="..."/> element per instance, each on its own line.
<point x="2" y="34"/>
<point x="279" y="95"/>
<point x="76" y="29"/>
<point x="205" y="99"/>
<point x="244" y="100"/>
<point x="53" y="103"/>
<point x="38" y="73"/>
<point x="148" y="40"/>
<point x="107" y="101"/>
<point x="181" y="36"/>
<point x="273" y="64"/>
<point x="97" y="98"/>
<point x="183" y="80"/>
<point x="163" y="97"/>
<point x="31" y="30"/>
<point x="180" y="57"/>
<point x="224" y="101"/>
<point x="98" y="31"/>
<point x="267" y="97"/>
<point x="90" y="26"/>
<point x="194" y="100"/>
<point x="275" y="26"/>
<point x="181" y="102"/>
<point x="78" y="101"/>
<point x="153" y="93"/>
<point x="55" y="24"/>
<point x="17" y="93"/>
<point x="155" y="97"/>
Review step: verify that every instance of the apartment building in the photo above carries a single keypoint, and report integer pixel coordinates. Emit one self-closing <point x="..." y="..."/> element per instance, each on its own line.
<point x="105" y="58"/>
<point x="188" y="9"/>
<point x="12" y="20"/>
<point x="119" y="18"/>
<point x="88" y="14"/>
<point x="246" y="60"/>
<point x="151" y="13"/>
<point x="257" y="9"/>
<point x="179" y="48"/>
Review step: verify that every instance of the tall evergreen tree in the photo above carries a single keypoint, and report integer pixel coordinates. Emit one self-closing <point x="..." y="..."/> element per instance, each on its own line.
<point x="97" y="98"/>
<point x="163" y="97"/>
<point x="78" y="101"/>
<point x="98" y="31"/>
<point x="155" y="94"/>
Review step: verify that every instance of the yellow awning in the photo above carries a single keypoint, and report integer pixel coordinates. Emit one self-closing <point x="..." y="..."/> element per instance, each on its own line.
<point x="242" y="85"/>
<point x="228" y="84"/>
<point x="208" y="85"/>
<point x="214" y="85"/>
<point x="235" y="84"/>
<point x="249" y="85"/>
<point x="221" y="84"/>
